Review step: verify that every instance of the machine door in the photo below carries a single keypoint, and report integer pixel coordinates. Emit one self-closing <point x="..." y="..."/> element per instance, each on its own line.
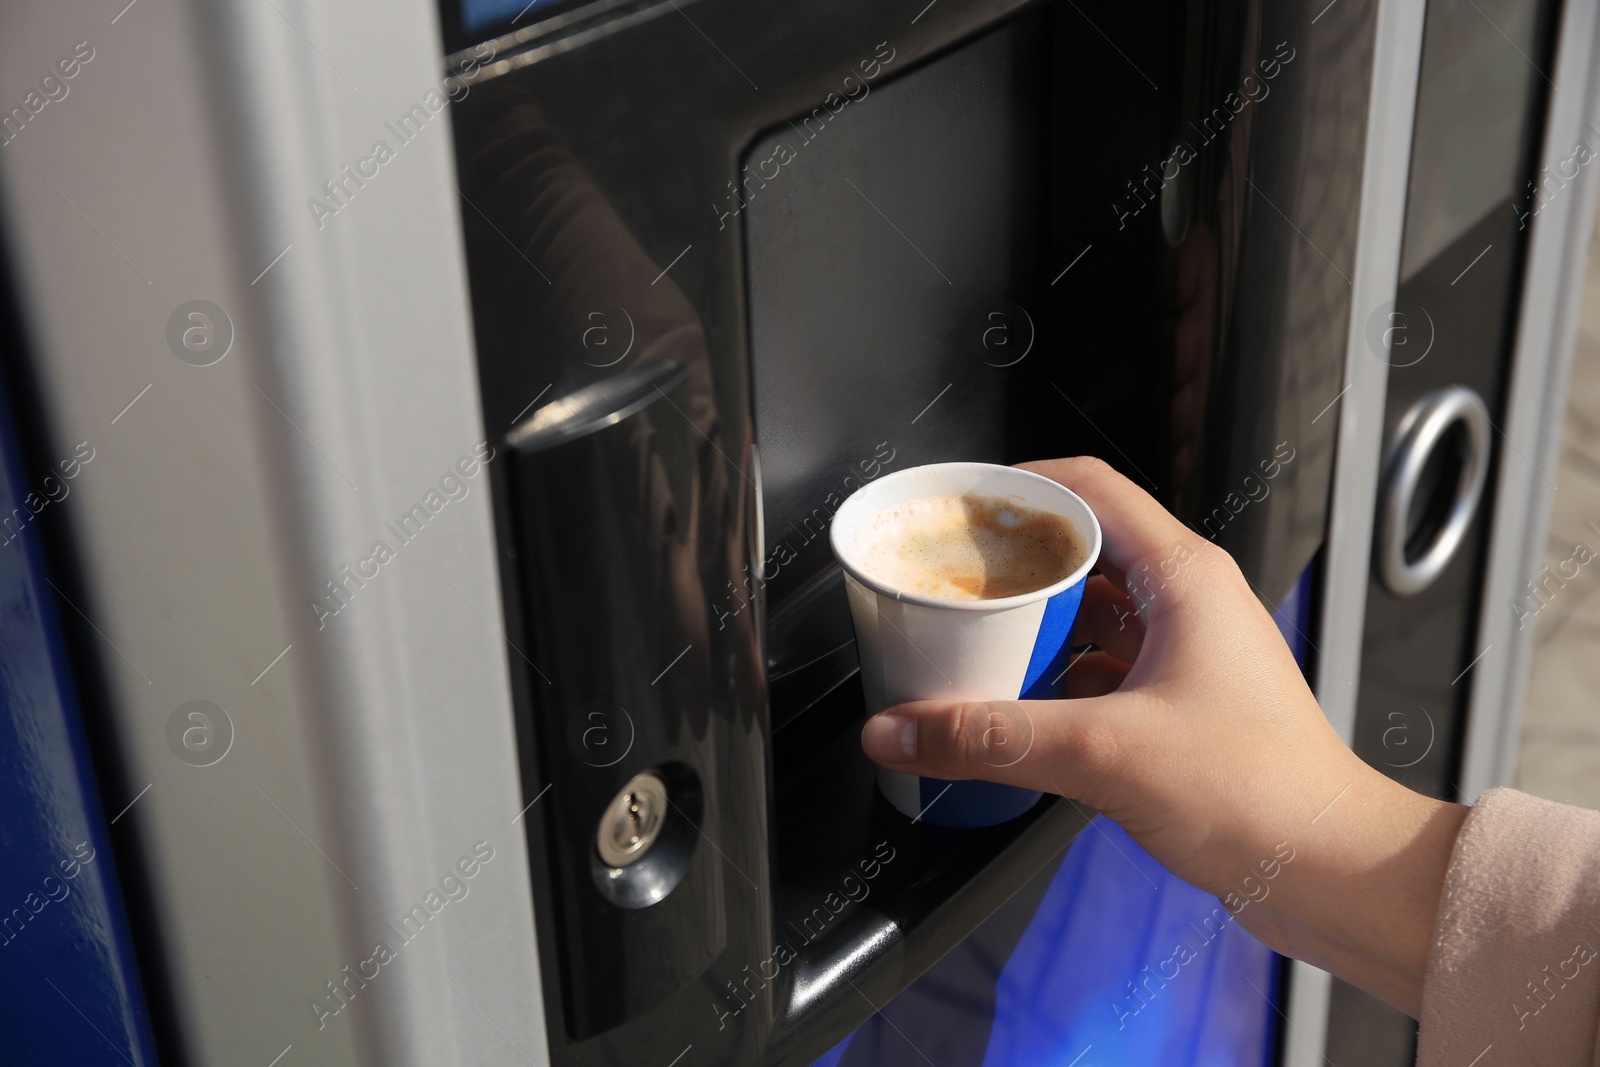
<point x="727" y="264"/>
<point x="1448" y="338"/>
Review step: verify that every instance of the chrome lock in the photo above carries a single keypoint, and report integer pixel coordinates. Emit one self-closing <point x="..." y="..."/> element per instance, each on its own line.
<point x="633" y="820"/>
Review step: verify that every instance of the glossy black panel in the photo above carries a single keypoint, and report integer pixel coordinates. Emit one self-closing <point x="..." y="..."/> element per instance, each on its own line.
<point x="641" y="487"/>
<point x="891" y="258"/>
<point x="1201" y="336"/>
<point x="875" y="258"/>
<point x="823" y="316"/>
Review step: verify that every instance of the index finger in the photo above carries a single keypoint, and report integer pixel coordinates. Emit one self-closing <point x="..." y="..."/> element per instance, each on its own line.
<point x="1137" y="529"/>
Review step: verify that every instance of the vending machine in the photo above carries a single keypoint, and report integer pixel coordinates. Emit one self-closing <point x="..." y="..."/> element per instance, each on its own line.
<point x="435" y="654"/>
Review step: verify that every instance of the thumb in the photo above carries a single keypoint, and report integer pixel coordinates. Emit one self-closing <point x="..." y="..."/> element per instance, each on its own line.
<point x="1055" y="746"/>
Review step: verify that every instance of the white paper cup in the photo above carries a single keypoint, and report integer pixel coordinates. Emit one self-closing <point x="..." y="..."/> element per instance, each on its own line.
<point x="915" y="647"/>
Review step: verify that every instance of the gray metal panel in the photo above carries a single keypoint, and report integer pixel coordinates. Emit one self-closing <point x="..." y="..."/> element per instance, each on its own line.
<point x="1535" y="410"/>
<point x="1396" y="62"/>
<point x="218" y="504"/>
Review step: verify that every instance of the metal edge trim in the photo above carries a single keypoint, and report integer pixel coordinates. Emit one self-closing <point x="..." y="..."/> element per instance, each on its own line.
<point x="1547" y="329"/>
<point x="1391" y="113"/>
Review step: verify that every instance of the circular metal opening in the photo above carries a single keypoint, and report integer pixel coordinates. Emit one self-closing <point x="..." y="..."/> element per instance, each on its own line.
<point x="1433" y="481"/>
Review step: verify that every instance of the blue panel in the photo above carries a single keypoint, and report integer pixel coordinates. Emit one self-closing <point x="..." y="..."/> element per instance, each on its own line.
<point x="479" y="14"/>
<point x="832" y="1057"/>
<point x="1125" y="964"/>
<point x="1097" y="973"/>
<point x="68" y="983"/>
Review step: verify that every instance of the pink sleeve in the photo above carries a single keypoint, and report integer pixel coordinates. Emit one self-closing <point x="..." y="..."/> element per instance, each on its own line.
<point x="1513" y="974"/>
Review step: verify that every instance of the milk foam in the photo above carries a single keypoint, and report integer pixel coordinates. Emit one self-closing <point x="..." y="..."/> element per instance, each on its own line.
<point x="967" y="547"/>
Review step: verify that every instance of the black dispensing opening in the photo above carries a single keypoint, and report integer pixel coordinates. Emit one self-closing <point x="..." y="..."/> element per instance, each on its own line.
<point x="1438" y="488"/>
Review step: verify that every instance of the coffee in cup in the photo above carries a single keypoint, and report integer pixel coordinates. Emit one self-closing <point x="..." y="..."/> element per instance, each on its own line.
<point x="969" y="547"/>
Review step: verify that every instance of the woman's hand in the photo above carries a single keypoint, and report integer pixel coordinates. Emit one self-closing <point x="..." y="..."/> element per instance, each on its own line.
<point x="1194" y="730"/>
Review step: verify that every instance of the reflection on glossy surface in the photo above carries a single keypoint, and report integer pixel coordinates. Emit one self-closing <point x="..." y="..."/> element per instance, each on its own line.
<point x="618" y="476"/>
<point x="1478" y="89"/>
<point x="594" y="407"/>
<point x="1202" y="333"/>
<point x="1186" y="322"/>
<point x="809" y="987"/>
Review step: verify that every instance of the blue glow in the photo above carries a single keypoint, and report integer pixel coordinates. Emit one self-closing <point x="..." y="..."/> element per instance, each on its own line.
<point x="478" y="14"/>
<point x="1096" y="978"/>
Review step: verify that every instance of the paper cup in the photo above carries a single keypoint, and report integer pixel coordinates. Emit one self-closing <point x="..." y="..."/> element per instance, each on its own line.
<point x="915" y="647"/>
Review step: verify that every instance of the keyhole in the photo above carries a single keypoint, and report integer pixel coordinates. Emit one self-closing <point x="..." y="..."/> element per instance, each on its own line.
<point x="634" y="820"/>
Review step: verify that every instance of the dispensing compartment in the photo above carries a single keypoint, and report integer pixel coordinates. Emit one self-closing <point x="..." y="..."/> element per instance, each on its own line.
<point x="894" y="250"/>
<point x="896" y="276"/>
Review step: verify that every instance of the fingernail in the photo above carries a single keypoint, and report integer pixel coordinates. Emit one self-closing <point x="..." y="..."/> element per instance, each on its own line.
<point x="890" y="738"/>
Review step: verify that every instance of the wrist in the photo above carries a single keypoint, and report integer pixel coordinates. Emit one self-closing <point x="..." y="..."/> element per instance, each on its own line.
<point x="1361" y="894"/>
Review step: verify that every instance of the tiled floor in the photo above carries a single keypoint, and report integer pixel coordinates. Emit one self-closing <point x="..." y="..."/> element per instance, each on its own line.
<point x="1561" y="720"/>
